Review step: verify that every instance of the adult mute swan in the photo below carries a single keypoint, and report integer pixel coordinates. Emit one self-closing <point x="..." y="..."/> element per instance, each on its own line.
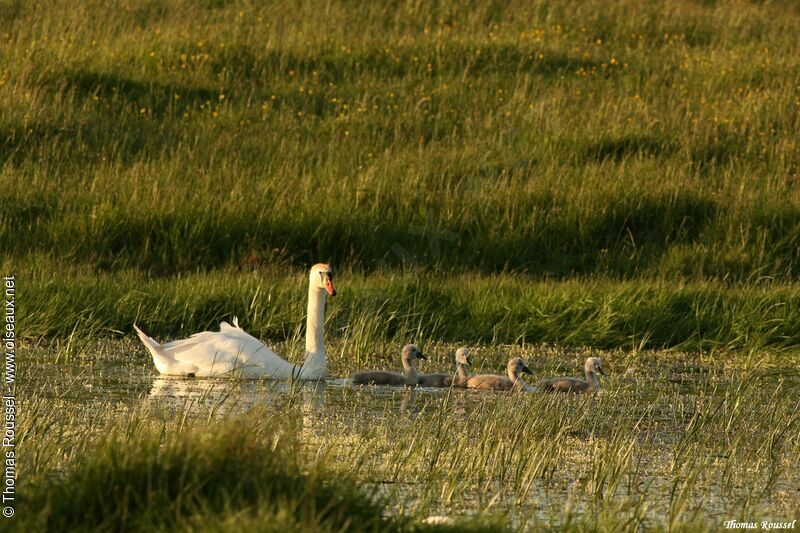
<point x="231" y="350"/>
<point x="589" y="385"/>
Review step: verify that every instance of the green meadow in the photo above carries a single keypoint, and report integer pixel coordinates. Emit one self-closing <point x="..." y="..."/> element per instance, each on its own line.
<point x="633" y="144"/>
<point x="542" y="177"/>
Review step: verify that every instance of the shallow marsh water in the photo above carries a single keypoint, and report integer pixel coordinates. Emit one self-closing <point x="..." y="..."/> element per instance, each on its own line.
<point x="688" y="441"/>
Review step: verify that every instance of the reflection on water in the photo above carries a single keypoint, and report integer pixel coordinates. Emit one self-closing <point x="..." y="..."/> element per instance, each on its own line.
<point x="232" y="395"/>
<point x="220" y="397"/>
<point x="407" y="404"/>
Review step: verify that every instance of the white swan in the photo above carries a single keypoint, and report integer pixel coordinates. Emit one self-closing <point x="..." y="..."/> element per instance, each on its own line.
<point x="231" y="350"/>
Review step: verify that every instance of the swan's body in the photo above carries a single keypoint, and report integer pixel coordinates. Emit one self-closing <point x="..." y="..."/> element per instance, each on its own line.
<point x="589" y="385"/>
<point x="379" y="377"/>
<point x="233" y="351"/>
<point x="447" y="380"/>
<point x="515" y="368"/>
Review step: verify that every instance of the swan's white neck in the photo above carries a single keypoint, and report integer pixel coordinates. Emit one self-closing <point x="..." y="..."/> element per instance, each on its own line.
<point x="315" y="363"/>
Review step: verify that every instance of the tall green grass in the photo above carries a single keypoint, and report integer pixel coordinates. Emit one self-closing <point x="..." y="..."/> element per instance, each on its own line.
<point x="628" y="138"/>
<point x="140" y="482"/>
<point x="643" y="153"/>
<point x="377" y="312"/>
<point x="242" y="474"/>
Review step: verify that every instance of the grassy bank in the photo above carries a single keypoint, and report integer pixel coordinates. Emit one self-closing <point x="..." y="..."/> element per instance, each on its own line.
<point x="648" y="147"/>
<point x="243" y="474"/>
<point x="143" y="481"/>
<point x="572" y="137"/>
<point x="377" y="312"/>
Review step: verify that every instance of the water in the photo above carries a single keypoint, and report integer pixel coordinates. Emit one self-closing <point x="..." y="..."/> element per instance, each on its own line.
<point x="364" y="428"/>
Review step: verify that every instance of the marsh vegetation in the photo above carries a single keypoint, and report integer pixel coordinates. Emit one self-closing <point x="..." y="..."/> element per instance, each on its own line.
<point x="525" y="178"/>
<point x="689" y="444"/>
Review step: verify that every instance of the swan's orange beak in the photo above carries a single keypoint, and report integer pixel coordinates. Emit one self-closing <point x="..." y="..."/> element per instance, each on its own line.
<point x="329" y="286"/>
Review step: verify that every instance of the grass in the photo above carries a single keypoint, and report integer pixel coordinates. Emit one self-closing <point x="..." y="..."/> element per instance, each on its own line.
<point x="139" y="482"/>
<point x="243" y="474"/>
<point x="641" y="138"/>
<point x="426" y="307"/>
<point x="639" y="148"/>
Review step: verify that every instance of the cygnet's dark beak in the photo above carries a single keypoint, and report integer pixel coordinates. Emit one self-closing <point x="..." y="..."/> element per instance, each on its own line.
<point x="420" y="355"/>
<point x="526" y="370"/>
<point x="600" y="369"/>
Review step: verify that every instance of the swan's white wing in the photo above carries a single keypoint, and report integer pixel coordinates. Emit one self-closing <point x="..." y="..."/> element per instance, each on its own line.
<point x="224" y="326"/>
<point x="227" y="350"/>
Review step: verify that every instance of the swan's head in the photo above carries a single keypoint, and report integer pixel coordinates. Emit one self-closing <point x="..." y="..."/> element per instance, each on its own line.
<point x="411" y="353"/>
<point x="462" y="356"/>
<point x="594" y="365"/>
<point x="321" y="276"/>
<point x="516" y="366"/>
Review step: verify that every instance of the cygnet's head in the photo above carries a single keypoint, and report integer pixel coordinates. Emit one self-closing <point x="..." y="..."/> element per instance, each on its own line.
<point x="462" y="356"/>
<point x="411" y="353"/>
<point x="516" y="366"/>
<point x="595" y="365"/>
<point x="321" y="277"/>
